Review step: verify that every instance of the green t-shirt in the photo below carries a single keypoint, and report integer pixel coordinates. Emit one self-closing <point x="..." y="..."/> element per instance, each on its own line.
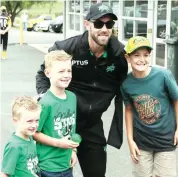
<point x="57" y="119"/>
<point x="154" y="117"/>
<point x="20" y="158"/>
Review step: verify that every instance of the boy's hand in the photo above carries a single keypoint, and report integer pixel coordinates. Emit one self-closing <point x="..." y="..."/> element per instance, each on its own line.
<point x="176" y="138"/>
<point x="66" y="143"/>
<point x="3" y="175"/>
<point x="74" y="159"/>
<point x="134" y="151"/>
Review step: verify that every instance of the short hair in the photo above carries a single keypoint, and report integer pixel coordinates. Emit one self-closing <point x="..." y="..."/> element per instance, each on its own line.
<point x="20" y="104"/>
<point x="57" y="55"/>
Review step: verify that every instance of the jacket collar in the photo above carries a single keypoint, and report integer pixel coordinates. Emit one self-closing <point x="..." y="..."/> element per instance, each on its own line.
<point x="84" y="41"/>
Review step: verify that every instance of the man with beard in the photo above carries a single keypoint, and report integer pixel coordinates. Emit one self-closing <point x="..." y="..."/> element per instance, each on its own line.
<point x="99" y="67"/>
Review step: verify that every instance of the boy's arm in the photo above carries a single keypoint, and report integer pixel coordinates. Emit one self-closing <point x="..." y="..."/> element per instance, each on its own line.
<point x="50" y="141"/>
<point x="44" y="139"/>
<point x="172" y="90"/>
<point x="4" y="175"/>
<point x="176" y="114"/>
<point x="176" y="111"/>
<point x="74" y="158"/>
<point x="129" y="128"/>
<point x="129" y="122"/>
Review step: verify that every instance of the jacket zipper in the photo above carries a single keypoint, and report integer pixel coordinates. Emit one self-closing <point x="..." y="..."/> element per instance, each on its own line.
<point x="94" y="84"/>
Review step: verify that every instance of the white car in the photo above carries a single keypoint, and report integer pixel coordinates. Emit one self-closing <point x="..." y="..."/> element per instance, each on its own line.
<point x="42" y="26"/>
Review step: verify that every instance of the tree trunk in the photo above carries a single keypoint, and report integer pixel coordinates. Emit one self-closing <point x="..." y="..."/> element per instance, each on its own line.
<point x="12" y="19"/>
<point x="51" y="5"/>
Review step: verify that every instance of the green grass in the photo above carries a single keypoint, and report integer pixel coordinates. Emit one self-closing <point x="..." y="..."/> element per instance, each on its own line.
<point x="39" y="9"/>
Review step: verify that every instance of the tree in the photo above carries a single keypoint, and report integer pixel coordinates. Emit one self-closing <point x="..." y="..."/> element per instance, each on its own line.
<point x="15" y="7"/>
<point x="51" y="6"/>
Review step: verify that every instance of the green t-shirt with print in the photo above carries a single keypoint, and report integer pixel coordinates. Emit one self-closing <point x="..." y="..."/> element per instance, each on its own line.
<point x="151" y="99"/>
<point x="20" y="158"/>
<point x="57" y="119"/>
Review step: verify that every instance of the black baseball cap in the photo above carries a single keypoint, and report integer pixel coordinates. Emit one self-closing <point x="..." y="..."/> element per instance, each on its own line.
<point x="99" y="10"/>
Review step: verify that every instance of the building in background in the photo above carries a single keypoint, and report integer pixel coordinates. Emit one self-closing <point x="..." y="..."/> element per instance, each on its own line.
<point x="155" y="19"/>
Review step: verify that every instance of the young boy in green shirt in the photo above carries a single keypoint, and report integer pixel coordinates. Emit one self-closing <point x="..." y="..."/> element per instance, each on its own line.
<point x="151" y="113"/>
<point x="20" y="157"/>
<point x="57" y="120"/>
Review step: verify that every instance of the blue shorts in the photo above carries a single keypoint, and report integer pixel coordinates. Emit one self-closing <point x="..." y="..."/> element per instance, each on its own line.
<point x="67" y="173"/>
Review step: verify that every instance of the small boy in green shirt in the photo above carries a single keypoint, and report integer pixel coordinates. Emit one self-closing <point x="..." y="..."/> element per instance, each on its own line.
<point x="56" y="152"/>
<point x="20" y="157"/>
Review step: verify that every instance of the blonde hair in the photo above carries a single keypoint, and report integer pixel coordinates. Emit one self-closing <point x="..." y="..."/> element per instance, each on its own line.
<point x="57" y="55"/>
<point x="20" y="104"/>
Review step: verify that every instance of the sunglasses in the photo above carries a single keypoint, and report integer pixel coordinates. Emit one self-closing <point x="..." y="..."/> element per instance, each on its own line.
<point x="99" y="24"/>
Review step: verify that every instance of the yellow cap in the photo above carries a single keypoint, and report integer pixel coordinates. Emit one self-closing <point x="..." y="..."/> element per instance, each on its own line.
<point x="137" y="42"/>
<point x="3" y="8"/>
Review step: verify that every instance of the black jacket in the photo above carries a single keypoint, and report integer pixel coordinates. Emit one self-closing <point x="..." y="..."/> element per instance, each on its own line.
<point x="95" y="82"/>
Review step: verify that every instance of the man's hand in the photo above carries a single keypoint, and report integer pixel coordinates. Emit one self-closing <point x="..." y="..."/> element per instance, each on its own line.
<point x="66" y="143"/>
<point x="134" y="151"/>
<point x="74" y="159"/>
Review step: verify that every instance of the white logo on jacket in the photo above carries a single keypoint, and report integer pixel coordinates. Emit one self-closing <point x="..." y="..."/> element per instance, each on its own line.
<point x="79" y="62"/>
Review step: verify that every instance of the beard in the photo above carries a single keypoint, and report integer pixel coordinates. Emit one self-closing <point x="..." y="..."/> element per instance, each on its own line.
<point x="100" y="40"/>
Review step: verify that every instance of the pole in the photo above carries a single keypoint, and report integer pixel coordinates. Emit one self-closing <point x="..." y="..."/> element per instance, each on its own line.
<point x="64" y="20"/>
<point x="21" y="33"/>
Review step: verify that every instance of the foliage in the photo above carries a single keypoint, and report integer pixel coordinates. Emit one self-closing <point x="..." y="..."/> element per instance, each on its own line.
<point x="14" y="8"/>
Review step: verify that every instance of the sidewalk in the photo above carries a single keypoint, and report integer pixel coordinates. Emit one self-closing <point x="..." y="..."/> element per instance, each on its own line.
<point x="41" y="47"/>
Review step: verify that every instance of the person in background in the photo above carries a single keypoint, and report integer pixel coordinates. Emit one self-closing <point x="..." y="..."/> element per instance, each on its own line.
<point x="24" y="19"/>
<point x="5" y="25"/>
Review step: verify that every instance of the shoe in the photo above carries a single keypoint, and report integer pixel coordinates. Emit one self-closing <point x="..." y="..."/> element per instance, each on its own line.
<point x="3" y="55"/>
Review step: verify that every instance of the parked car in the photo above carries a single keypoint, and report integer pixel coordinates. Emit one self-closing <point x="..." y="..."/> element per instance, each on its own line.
<point x="56" y="25"/>
<point x="42" y="26"/>
<point x="33" y="22"/>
